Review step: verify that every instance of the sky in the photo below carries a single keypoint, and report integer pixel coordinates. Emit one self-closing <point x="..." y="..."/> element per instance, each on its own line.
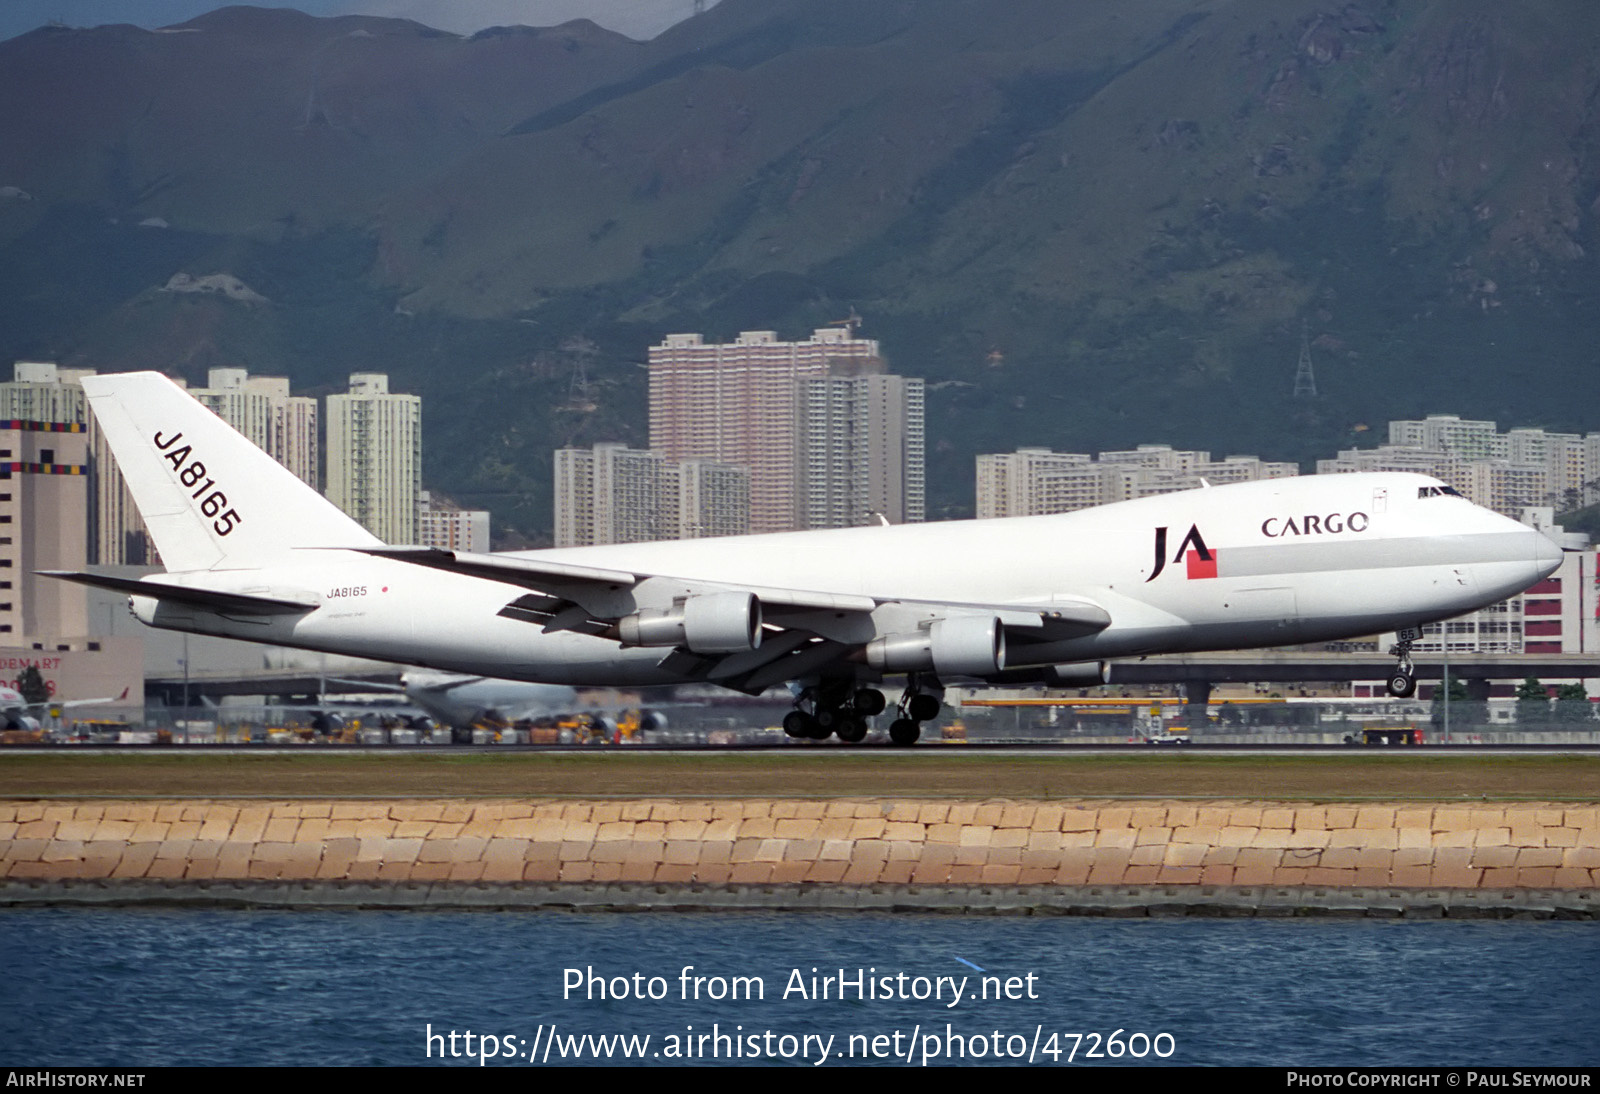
<point x="639" y="19"/>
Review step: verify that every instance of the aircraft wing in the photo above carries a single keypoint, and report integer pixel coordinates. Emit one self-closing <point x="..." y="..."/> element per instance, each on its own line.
<point x="750" y="637"/>
<point x="583" y="584"/>
<point x="68" y="704"/>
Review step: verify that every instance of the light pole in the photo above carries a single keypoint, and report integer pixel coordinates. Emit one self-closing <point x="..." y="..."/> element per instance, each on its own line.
<point x="1446" y="648"/>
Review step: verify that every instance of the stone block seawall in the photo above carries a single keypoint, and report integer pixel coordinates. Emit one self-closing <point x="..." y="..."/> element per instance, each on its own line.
<point x="1053" y="850"/>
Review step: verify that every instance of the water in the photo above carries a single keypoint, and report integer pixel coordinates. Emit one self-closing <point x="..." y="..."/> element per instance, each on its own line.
<point x="204" y="987"/>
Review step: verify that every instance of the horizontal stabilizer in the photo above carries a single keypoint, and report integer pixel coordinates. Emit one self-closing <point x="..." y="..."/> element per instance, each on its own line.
<point x="213" y="600"/>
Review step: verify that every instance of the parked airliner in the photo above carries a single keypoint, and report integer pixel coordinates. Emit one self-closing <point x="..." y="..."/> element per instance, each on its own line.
<point x="452" y="699"/>
<point x="17" y="713"/>
<point x="254" y="553"/>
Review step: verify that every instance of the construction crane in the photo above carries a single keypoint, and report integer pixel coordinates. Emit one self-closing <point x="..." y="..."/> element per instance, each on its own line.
<point x="852" y="322"/>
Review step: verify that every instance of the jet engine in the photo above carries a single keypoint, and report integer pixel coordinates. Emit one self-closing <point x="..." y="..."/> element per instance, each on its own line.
<point x="710" y="623"/>
<point x="963" y="645"/>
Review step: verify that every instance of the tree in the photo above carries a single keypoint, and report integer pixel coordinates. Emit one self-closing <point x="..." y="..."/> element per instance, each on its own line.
<point x="1586" y="519"/>
<point x="32" y="687"/>
<point x="1533" y="703"/>
<point x="1572" y="705"/>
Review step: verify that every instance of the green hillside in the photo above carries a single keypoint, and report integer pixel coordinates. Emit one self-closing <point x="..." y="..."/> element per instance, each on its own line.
<point x="1089" y="225"/>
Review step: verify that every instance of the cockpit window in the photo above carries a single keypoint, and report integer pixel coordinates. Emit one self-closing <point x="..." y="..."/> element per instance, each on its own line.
<point x="1438" y="491"/>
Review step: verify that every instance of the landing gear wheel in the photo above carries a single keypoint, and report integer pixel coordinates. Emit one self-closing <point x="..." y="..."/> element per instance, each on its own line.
<point x="922" y="707"/>
<point x="852" y="730"/>
<point x="1403" y="681"/>
<point x="869" y="701"/>
<point x="1402" y="685"/>
<point x="904" y="731"/>
<point x="797" y="723"/>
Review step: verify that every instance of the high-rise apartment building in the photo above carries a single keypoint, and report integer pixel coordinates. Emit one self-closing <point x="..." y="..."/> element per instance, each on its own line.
<point x="573" y="500"/>
<point x="451" y="529"/>
<point x="282" y="425"/>
<point x="1591" y="463"/>
<point x="614" y="494"/>
<point x="374" y="457"/>
<point x="1564" y="460"/>
<point x="45" y="479"/>
<point x="862" y="450"/>
<point x="41" y="391"/>
<point x="44" y="503"/>
<point x="1033" y="481"/>
<point x="744" y="403"/>
<point x="634" y="495"/>
<point x="713" y="499"/>
<point x="1394" y="457"/>
<point x="1506" y="472"/>
<point x="1449" y="433"/>
<point x="1017" y="483"/>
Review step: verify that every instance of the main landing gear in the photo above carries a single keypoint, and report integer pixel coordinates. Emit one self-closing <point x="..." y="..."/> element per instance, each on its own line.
<point x="1403" y="681"/>
<point x="827" y="709"/>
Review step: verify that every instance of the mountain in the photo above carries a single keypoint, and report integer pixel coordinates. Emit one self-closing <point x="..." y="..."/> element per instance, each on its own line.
<point x="1088" y="225"/>
<point x="639" y="19"/>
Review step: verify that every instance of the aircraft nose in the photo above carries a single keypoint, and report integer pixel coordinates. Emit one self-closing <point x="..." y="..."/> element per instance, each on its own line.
<point x="1534" y="557"/>
<point x="1546" y="555"/>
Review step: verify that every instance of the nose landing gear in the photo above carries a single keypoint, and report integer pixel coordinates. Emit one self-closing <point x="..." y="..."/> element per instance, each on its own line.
<point x="1403" y="681"/>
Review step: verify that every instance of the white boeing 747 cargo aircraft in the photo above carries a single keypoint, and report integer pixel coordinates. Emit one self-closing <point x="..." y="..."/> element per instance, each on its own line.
<point x="254" y="553"/>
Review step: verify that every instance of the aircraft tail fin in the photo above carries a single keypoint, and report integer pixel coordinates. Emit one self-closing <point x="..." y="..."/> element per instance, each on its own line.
<point x="211" y="499"/>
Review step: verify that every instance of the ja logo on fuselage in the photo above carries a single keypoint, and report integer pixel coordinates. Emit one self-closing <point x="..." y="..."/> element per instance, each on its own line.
<point x="1201" y="560"/>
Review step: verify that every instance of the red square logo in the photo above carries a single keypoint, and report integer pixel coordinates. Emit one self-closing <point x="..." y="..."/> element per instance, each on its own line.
<point x="1200" y="567"/>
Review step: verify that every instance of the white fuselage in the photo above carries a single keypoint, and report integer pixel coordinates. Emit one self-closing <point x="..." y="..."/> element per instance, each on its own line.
<point x="1255" y="564"/>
